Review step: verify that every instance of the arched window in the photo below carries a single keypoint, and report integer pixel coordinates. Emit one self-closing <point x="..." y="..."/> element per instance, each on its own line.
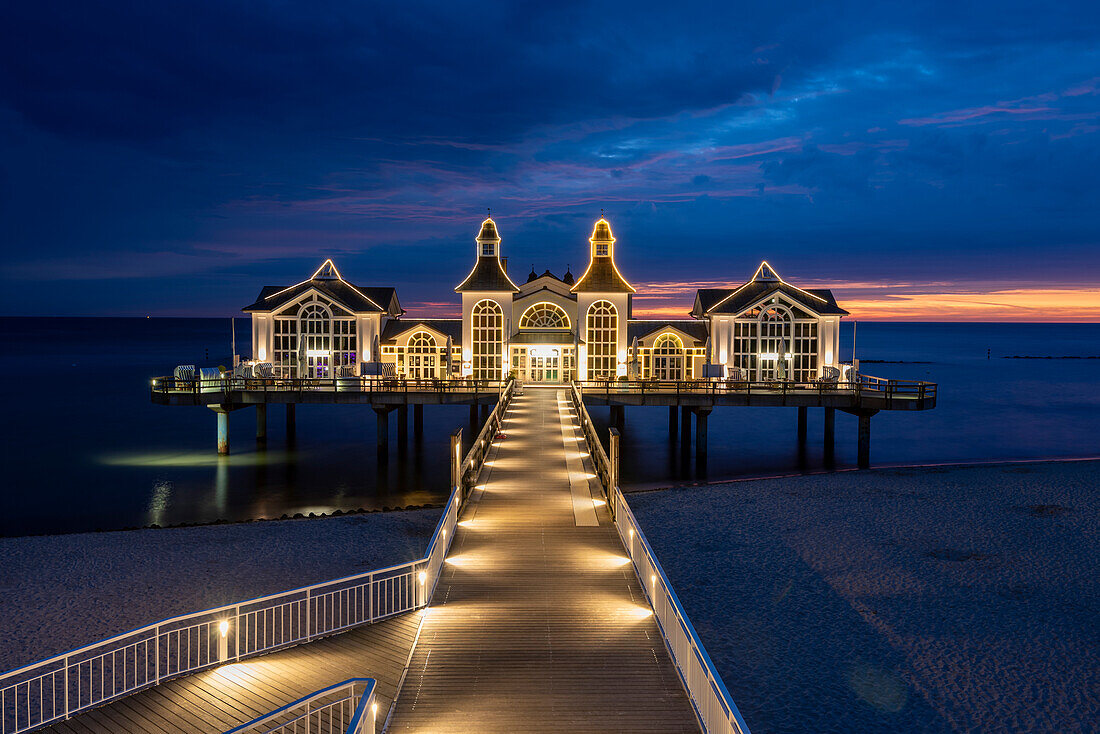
<point x="315" y="327"/>
<point x="775" y="343"/>
<point x="422" y="356"/>
<point x="668" y="358"/>
<point x="544" y="316"/>
<point x="602" y="337"/>
<point x="488" y="338"/>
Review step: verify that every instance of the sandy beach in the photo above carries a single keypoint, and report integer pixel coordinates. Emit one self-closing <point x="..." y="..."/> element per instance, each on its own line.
<point x="64" y="591"/>
<point x="924" y="600"/>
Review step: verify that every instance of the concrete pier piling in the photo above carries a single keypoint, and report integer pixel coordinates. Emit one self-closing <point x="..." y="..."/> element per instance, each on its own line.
<point x="685" y="430"/>
<point x="701" y="416"/>
<point x="673" y="423"/>
<point x="261" y="424"/>
<point x="830" y="435"/>
<point x="618" y="416"/>
<point x="383" y="422"/>
<point x="473" y="413"/>
<point x="223" y="433"/>
<point x="802" y="427"/>
<point x="864" y="441"/>
<point x="402" y="426"/>
<point x="290" y="422"/>
<point x="418" y="420"/>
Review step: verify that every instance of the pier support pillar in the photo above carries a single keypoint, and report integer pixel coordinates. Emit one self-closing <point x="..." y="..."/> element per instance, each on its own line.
<point x="485" y="413"/>
<point x="290" y="422"/>
<point x="864" y="442"/>
<point x="383" y="421"/>
<point x="261" y="423"/>
<point x="685" y="430"/>
<point x="402" y="425"/>
<point x="701" y="415"/>
<point x="223" y="433"/>
<point x="672" y="421"/>
<point x="418" y="420"/>
<point x="801" y="427"/>
<point x="473" y="413"/>
<point x="618" y="416"/>
<point x="830" y="431"/>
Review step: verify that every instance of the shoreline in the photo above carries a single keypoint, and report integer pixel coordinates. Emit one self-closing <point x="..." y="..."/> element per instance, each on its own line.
<point x="644" y="488"/>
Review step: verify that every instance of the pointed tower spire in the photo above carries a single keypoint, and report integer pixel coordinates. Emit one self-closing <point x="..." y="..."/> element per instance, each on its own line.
<point x="488" y="273"/>
<point x="602" y="275"/>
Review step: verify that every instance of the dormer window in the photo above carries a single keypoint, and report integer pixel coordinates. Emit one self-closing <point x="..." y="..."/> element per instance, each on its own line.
<point x="487" y="249"/>
<point x="601" y="249"/>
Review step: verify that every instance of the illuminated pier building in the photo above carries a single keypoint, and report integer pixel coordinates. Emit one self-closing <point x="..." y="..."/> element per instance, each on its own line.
<point x="548" y="329"/>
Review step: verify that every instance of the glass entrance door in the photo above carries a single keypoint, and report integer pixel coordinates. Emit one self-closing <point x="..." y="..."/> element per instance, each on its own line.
<point x="544" y="367"/>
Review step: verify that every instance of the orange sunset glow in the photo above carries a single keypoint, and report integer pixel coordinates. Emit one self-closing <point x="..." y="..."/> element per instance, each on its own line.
<point x="938" y="301"/>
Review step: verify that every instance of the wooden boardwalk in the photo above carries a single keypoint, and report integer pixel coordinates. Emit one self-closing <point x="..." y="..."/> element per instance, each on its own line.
<point x="219" y="699"/>
<point x="539" y="624"/>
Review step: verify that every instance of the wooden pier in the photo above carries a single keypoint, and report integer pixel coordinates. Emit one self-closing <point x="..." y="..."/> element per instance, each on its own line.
<point x="539" y="624"/>
<point x="863" y="399"/>
<point x="230" y="695"/>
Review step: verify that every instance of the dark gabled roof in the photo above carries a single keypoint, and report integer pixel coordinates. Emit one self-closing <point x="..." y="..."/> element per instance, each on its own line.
<point x="602" y="277"/>
<point x="396" y="327"/>
<point x="358" y="300"/>
<point x="736" y="300"/>
<point x="694" y="328"/>
<point x="548" y="289"/>
<point x="488" y="275"/>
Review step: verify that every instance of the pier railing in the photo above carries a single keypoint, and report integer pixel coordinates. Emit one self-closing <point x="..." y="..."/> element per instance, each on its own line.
<point x="877" y="386"/>
<point x="388" y="385"/>
<point x="711" y="700"/>
<point x="58" y="687"/>
<point x="475" y="457"/>
<point x="345" y="708"/>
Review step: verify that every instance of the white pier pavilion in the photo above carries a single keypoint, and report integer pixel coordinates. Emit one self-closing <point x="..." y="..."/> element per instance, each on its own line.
<point x="548" y="329"/>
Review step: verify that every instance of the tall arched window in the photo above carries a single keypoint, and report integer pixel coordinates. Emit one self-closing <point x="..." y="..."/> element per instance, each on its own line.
<point x="315" y="327"/>
<point x="775" y="343"/>
<point x="544" y="316"/>
<point x="668" y="358"/>
<point x="422" y="356"/>
<point x="602" y="337"/>
<point x="488" y="337"/>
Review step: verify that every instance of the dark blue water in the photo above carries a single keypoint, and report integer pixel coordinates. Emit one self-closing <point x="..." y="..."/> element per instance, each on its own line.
<point x="85" y="449"/>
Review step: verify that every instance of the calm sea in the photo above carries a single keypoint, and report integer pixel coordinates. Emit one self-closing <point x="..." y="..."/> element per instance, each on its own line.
<point x="84" y="448"/>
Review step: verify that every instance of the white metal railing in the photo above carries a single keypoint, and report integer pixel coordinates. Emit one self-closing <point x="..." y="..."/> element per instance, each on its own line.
<point x="713" y="704"/>
<point x="345" y="708"/>
<point x="58" y="687"/>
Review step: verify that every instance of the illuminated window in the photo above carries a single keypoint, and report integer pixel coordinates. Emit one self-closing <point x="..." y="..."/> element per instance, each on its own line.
<point x="315" y="327"/>
<point x="602" y="336"/>
<point x="602" y="249"/>
<point x="544" y="316"/>
<point x="668" y="358"/>
<point x="788" y="334"/>
<point x="284" y="358"/>
<point x="488" y="249"/>
<point x="423" y="356"/>
<point x="488" y="337"/>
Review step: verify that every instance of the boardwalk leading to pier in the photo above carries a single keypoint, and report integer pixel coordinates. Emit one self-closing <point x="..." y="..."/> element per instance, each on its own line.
<point x="539" y="624"/>
<point x="219" y="699"/>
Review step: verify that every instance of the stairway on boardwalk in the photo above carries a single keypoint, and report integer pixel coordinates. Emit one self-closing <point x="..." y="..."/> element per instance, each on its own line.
<point x="538" y="623"/>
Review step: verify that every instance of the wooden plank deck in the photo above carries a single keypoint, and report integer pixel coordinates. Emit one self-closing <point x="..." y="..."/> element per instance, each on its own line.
<point x="219" y="699"/>
<point x="538" y="624"/>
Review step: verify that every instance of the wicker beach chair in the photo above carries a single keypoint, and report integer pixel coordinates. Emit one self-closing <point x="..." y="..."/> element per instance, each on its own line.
<point x="184" y="377"/>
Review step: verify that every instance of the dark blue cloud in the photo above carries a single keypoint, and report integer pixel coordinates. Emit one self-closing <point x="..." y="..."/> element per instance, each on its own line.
<point x="159" y="156"/>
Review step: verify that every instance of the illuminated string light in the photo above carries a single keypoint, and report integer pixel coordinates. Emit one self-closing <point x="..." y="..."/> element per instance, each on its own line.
<point x="753" y="280"/>
<point x="339" y="277"/>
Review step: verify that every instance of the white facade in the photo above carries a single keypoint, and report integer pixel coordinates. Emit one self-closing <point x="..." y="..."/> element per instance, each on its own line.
<point x="549" y="329"/>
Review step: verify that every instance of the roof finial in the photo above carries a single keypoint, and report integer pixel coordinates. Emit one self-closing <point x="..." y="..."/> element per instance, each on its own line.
<point x="490" y="211"/>
<point x="601" y="213"/>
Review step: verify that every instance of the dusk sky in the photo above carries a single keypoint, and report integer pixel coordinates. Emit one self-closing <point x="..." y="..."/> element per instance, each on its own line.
<point x="926" y="161"/>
